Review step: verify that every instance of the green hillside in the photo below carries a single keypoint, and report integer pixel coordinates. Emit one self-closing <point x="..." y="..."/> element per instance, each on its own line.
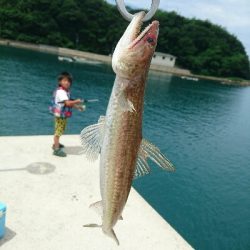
<point x="94" y="25"/>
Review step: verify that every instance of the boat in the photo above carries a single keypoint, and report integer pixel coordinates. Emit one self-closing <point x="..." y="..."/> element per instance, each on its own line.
<point x="84" y="60"/>
<point x="190" y="78"/>
<point x="65" y="59"/>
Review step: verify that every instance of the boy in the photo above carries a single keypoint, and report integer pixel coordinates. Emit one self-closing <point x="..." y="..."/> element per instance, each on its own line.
<point x="62" y="109"/>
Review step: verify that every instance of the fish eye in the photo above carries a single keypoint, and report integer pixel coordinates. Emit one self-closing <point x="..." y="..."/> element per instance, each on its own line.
<point x="150" y="40"/>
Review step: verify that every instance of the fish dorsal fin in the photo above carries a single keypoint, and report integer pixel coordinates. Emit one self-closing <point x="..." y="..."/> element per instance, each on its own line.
<point x="142" y="167"/>
<point x="148" y="150"/>
<point x="92" y="138"/>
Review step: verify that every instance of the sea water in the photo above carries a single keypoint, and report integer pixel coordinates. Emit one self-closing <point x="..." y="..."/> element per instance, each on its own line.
<point x="203" y="128"/>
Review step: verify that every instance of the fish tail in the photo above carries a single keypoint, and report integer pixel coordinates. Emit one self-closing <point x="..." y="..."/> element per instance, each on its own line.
<point x="92" y="225"/>
<point x="111" y="233"/>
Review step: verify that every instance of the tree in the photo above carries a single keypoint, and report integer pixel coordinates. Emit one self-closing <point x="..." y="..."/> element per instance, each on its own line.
<point x="96" y="26"/>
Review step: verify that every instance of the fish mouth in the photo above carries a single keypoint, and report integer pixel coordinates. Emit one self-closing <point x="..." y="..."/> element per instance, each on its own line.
<point x="151" y="29"/>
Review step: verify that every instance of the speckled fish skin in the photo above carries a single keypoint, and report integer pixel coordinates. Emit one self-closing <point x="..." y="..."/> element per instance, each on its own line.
<point x="123" y="123"/>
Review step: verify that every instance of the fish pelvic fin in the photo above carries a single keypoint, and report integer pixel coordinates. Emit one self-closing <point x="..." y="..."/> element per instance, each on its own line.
<point x="149" y="150"/>
<point x="92" y="138"/>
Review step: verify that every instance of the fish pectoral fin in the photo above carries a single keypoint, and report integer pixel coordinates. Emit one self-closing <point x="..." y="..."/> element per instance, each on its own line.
<point x="149" y="150"/>
<point x="97" y="207"/>
<point x="125" y="104"/>
<point x="92" y="138"/>
<point x="120" y="217"/>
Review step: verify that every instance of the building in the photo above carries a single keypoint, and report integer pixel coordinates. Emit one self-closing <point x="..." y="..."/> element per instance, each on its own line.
<point x="163" y="59"/>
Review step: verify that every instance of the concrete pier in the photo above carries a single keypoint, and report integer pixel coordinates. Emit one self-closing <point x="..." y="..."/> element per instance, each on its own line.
<point x="48" y="202"/>
<point x="107" y="60"/>
<point x="83" y="54"/>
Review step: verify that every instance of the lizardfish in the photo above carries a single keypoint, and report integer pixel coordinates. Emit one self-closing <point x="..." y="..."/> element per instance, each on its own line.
<point x="117" y="137"/>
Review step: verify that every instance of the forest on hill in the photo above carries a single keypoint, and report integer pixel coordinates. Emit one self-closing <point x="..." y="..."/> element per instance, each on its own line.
<point x="96" y="26"/>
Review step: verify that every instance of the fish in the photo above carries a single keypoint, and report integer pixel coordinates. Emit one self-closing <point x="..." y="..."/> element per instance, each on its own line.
<point x="117" y="137"/>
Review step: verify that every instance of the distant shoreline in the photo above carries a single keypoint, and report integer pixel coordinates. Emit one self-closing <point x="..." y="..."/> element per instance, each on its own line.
<point x="186" y="74"/>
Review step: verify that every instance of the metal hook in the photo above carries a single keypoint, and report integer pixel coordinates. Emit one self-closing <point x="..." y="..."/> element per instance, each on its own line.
<point x="122" y="9"/>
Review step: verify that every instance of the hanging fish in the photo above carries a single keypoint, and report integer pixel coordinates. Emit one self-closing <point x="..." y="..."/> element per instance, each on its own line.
<point x="117" y="137"/>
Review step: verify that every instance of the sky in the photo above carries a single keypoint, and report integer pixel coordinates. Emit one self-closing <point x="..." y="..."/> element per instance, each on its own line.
<point x="234" y="15"/>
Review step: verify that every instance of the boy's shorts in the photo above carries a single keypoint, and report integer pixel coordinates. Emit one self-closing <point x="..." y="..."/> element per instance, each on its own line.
<point x="60" y="125"/>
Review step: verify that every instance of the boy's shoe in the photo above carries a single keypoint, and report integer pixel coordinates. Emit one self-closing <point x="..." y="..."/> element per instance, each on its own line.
<point x="59" y="152"/>
<point x="60" y="146"/>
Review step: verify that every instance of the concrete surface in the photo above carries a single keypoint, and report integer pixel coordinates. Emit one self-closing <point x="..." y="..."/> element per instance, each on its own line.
<point x="48" y="204"/>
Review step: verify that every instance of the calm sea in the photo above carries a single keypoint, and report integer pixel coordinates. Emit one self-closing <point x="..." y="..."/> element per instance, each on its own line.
<point x="203" y="127"/>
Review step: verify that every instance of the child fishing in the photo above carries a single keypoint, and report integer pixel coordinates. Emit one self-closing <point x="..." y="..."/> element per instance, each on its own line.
<point x="62" y="109"/>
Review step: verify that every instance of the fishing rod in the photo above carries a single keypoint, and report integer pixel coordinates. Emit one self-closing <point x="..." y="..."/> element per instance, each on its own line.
<point x="83" y="100"/>
<point x="90" y="100"/>
<point x="81" y="106"/>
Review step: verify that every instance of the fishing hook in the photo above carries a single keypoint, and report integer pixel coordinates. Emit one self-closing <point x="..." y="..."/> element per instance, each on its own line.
<point x="122" y="9"/>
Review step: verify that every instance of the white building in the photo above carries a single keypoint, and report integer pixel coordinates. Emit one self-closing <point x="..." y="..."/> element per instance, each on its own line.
<point x="163" y="59"/>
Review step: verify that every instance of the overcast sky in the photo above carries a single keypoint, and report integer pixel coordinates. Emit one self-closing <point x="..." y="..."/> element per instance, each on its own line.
<point x="234" y="15"/>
